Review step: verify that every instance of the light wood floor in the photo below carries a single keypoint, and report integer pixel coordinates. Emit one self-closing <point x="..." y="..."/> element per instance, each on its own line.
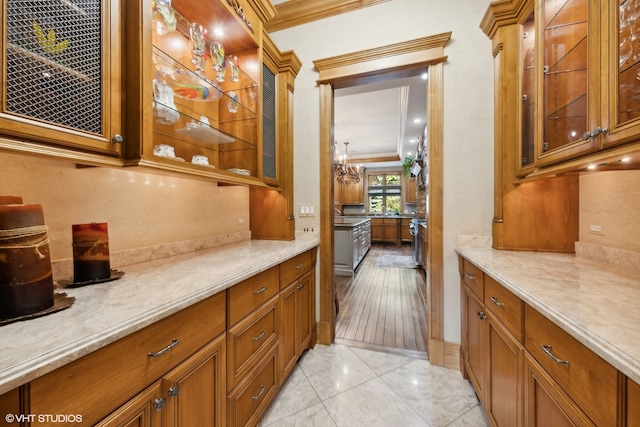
<point x="383" y="308"/>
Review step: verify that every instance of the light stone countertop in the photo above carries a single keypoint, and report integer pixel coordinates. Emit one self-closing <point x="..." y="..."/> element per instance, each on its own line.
<point x="148" y="292"/>
<point x="596" y="303"/>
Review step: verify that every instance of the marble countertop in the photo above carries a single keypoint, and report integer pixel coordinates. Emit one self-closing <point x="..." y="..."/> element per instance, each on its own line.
<point x="346" y="222"/>
<point x="148" y="292"/>
<point x="596" y="303"/>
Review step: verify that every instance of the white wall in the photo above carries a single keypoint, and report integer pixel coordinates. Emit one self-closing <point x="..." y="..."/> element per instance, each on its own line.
<point x="468" y="110"/>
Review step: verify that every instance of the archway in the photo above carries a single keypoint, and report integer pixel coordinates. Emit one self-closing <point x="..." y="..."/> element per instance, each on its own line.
<point x="382" y="63"/>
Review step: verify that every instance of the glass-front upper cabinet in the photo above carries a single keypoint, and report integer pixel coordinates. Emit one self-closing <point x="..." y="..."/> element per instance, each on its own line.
<point x="623" y="84"/>
<point x="528" y="58"/>
<point x="206" y="99"/>
<point x="61" y="80"/>
<point x="568" y="55"/>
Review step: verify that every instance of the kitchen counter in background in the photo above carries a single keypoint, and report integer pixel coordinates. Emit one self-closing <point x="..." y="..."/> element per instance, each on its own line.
<point x="596" y="303"/>
<point x="352" y="240"/>
<point x="148" y="292"/>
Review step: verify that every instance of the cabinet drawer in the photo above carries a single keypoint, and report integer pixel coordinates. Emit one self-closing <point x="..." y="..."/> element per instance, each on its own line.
<point x="589" y="380"/>
<point x="120" y="370"/>
<point x="293" y="268"/>
<point x="246" y="296"/>
<point x="249" y="339"/>
<point x="473" y="277"/>
<point x="506" y="306"/>
<point x="252" y="396"/>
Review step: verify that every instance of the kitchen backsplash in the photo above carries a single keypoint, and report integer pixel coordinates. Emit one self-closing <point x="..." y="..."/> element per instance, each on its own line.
<point x="155" y="212"/>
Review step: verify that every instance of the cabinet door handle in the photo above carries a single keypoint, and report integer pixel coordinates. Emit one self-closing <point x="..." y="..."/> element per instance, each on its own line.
<point x="470" y="276"/>
<point x="174" y="391"/>
<point x="597" y="131"/>
<point x="117" y="139"/>
<point x="547" y="351"/>
<point x="261" y="290"/>
<point x="299" y="266"/>
<point x="158" y="404"/>
<point x="300" y="287"/>
<point x="496" y="302"/>
<point x="174" y="343"/>
<point x="481" y="315"/>
<point x="259" y="337"/>
<point x="257" y="396"/>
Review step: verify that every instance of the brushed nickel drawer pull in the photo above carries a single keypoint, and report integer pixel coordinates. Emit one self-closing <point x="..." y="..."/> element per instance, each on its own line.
<point x="262" y="389"/>
<point x="174" y="342"/>
<point x="481" y="315"/>
<point x="469" y="276"/>
<point x="300" y="287"/>
<point x="174" y="391"/>
<point x="259" y="337"/>
<point x="299" y="266"/>
<point x="547" y="351"/>
<point x="496" y="302"/>
<point x="259" y="291"/>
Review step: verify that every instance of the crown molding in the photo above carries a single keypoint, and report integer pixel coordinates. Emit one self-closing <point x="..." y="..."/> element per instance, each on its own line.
<point x="298" y="12"/>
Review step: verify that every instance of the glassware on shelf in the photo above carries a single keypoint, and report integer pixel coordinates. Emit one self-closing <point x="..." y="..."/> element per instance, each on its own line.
<point x="232" y="102"/>
<point x="164" y="109"/>
<point x="164" y="17"/>
<point x="217" y="57"/>
<point x="185" y="83"/>
<point x="235" y="70"/>
<point x="197" y="35"/>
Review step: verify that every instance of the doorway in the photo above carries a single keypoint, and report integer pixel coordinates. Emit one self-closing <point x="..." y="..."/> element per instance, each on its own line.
<point x="387" y="62"/>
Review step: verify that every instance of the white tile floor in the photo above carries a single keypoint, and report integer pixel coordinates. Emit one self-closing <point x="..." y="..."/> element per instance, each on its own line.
<point x="344" y="386"/>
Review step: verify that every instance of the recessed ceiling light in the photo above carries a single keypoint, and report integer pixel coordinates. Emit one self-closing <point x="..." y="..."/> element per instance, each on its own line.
<point x="417" y="120"/>
<point x="424" y="76"/>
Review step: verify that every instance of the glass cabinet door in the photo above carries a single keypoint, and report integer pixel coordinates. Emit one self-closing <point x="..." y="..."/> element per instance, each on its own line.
<point x="60" y="58"/>
<point x="568" y="45"/>
<point x="623" y="83"/>
<point x="528" y="94"/>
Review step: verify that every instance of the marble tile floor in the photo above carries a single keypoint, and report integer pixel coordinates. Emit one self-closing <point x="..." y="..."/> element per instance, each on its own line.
<point x="345" y="386"/>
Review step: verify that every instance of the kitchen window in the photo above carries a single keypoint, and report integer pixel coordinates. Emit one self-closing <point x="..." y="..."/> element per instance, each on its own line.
<point x="384" y="191"/>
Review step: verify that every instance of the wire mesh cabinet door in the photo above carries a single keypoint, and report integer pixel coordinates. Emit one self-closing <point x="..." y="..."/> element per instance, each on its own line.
<point x="60" y="74"/>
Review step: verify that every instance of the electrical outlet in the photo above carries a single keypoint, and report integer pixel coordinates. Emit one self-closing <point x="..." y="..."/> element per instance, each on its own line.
<point x="595" y="229"/>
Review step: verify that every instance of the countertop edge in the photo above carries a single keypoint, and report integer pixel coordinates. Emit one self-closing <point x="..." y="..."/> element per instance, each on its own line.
<point x="41" y="364"/>
<point x="604" y="348"/>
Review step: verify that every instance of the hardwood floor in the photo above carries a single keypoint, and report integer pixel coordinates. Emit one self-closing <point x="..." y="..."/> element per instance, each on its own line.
<point x="383" y="308"/>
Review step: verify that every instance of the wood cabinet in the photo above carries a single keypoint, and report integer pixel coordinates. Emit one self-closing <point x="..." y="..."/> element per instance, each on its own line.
<point x="352" y="193"/>
<point x="405" y="230"/>
<point x="546" y="404"/>
<point x="385" y="230"/>
<point x="410" y="195"/>
<point x="131" y="364"/>
<point x="587" y="379"/>
<point x="62" y="77"/>
<point x="218" y="362"/>
<point x="519" y="216"/>
<point x="527" y="371"/>
<point x="581" y="59"/>
<point x="297" y="304"/>
<point x="272" y="210"/>
<point x="633" y="403"/>
<point x="144" y="410"/>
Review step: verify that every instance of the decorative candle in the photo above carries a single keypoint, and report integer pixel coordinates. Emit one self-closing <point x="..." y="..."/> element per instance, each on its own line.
<point x="90" y="252"/>
<point x="10" y="200"/>
<point x="26" y="285"/>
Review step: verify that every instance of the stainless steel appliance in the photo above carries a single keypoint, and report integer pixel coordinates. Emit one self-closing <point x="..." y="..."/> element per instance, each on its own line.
<point x="416" y="245"/>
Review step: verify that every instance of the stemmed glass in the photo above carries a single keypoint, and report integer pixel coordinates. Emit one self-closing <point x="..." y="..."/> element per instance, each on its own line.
<point x="235" y="70"/>
<point x="164" y="18"/>
<point x="198" y="36"/>
<point x="218" y="59"/>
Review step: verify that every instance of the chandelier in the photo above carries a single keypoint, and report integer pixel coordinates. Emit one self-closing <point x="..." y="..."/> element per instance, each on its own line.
<point x="345" y="172"/>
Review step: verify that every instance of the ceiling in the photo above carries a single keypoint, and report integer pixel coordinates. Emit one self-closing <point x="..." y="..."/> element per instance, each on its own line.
<point x="377" y="119"/>
<point x="381" y="121"/>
